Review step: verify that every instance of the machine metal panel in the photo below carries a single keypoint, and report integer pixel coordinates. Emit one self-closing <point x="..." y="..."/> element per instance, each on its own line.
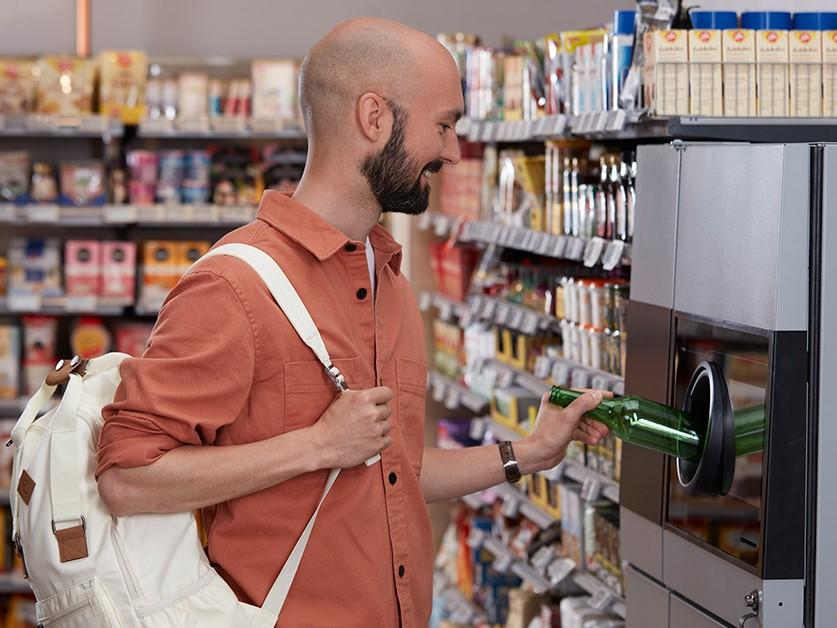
<point x="825" y="605"/>
<point x="647" y="601"/>
<point x="652" y="265"/>
<point x="684" y="615"/>
<point x="730" y="258"/>
<point x="649" y="345"/>
<point x="707" y="580"/>
<point x="641" y="542"/>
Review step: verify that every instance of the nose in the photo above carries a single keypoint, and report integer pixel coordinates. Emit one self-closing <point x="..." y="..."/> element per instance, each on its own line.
<point x="451" y="152"/>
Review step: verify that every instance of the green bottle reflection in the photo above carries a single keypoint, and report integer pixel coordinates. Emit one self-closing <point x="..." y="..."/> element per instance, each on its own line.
<point x="649" y="424"/>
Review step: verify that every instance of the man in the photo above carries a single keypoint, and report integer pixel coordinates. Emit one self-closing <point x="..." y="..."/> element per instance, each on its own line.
<point x="224" y="367"/>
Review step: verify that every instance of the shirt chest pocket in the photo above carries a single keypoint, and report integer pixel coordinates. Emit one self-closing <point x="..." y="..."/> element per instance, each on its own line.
<point x="412" y="390"/>
<point x="309" y="391"/>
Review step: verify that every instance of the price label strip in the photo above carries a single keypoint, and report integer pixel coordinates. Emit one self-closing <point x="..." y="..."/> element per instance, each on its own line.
<point x="601" y="599"/>
<point x="559" y="570"/>
<point x="591" y="489"/>
<point x="613" y="254"/>
<point x="593" y="252"/>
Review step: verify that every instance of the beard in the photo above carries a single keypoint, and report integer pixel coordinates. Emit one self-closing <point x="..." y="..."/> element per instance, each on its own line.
<point x="391" y="173"/>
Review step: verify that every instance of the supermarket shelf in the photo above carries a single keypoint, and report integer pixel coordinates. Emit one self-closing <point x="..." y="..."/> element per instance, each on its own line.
<point x="595" y="485"/>
<point x="454" y="395"/>
<point x="604" y="598"/>
<point x="517" y="317"/>
<point x="608" y="254"/>
<point x="776" y="130"/>
<point x="461" y="609"/>
<point x="620" y="125"/>
<point x="447" y="307"/>
<point x="526" y="506"/>
<point x="60" y="306"/>
<point x="210" y="130"/>
<point x="82" y="127"/>
<point x="177" y="216"/>
<point x="441" y="224"/>
<point x="11" y="584"/>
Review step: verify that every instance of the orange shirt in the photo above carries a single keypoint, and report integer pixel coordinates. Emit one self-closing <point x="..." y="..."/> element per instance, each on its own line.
<point x="225" y="367"/>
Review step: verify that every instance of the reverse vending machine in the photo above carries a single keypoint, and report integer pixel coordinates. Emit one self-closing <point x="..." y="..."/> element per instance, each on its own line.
<point x="731" y="320"/>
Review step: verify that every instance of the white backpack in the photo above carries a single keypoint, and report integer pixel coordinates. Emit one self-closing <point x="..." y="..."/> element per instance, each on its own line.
<point x="89" y="569"/>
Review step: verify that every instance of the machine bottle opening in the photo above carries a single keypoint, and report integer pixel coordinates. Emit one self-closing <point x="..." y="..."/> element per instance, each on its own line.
<point x="705" y="436"/>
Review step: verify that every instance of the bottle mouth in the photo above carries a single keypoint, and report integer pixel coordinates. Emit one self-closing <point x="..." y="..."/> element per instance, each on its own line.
<point x="708" y="404"/>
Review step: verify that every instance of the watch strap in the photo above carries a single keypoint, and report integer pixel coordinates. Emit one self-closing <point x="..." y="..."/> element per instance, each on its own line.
<point x="510" y="466"/>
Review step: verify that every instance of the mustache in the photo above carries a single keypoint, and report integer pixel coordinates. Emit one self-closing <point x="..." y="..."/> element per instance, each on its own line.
<point x="434" y="166"/>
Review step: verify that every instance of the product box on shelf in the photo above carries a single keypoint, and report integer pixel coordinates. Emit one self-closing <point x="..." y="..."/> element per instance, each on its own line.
<point x="161" y="270"/>
<point x="805" y="57"/>
<point x="275" y="90"/>
<point x="667" y="72"/>
<point x="118" y="270"/>
<point x="192" y="96"/>
<point x="572" y="521"/>
<point x="9" y="361"/>
<point x="82" y="266"/>
<point x="739" y="56"/>
<point x="35" y="266"/>
<point x="510" y="406"/>
<point x="132" y="338"/>
<point x="829" y="68"/>
<point x="14" y="176"/>
<point x="772" y="73"/>
<point x="453" y="267"/>
<point x="705" y="75"/>
<point x="17" y="86"/>
<point x="83" y="183"/>
<point x="90" y="338"/>
<point x="189" y="253"/>
<point x="122" y="77"/>
<point x="65" y="86"/>
<point x="552" y="497"/>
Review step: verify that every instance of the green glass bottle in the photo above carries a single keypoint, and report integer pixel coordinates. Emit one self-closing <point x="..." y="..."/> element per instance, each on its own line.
<point x="649" y="424"/>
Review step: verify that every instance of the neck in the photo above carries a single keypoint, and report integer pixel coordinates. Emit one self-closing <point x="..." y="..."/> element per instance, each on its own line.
<point x="342" y="199"/>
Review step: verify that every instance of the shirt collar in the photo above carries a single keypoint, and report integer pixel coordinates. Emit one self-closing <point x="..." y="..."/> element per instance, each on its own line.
<point x="308" y="229"/>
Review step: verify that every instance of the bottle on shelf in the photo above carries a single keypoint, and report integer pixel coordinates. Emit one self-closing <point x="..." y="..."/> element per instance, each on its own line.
<point x="653" y="425"/>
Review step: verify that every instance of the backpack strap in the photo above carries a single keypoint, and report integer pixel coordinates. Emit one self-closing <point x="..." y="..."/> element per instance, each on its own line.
<point x="288" y="300"/>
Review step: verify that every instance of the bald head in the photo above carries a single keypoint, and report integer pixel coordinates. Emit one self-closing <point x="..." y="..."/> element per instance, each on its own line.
<point x="365" y="55"/>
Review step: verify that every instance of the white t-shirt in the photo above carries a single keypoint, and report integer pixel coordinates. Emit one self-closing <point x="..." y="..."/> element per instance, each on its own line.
<point x="370" y="262"/>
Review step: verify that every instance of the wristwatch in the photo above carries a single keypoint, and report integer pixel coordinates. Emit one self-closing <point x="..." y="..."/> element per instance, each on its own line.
<point x="510" y="467"/>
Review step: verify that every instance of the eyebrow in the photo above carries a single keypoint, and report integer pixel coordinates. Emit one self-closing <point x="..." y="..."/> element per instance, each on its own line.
<point x="456" y="114"/>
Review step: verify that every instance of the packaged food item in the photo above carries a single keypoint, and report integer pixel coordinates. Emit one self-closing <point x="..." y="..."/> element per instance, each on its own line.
<point x="739" y="69"/>
<point x="14" y="176"/>
<point x="189" y="253"/>
<point x="122" y="85"/>
<point x="90" y="338"/>
<point x="83" y="184"/>
<point x="17" y="86"/>
<point x="705" y="72"/>
<point x="829" y="77"/>
<point x="44" y="187"/>
<point x="621" y="51"/>
<point x="161" y="267"/>
<point x="667" y="72"/>
<point x="132" y="338"/>
<point x="117" y="186"/>
<point x="35" y="266"/>
<point x="65" y="85"/>
<point x="192" y="96"/>
<point x="9" y="361"/>
<point x="82" y="261"/>
<point x="805" y="57"/>
<point x="119" y="270"/>
<point x="772" y="84"/>
<point x="274" y="89"/>
<point x="142" y="187"/>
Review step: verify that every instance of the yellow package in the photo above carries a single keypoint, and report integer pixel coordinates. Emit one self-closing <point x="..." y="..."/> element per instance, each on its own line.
<point x="122" y="77"/>
<point x="65" y="86"/>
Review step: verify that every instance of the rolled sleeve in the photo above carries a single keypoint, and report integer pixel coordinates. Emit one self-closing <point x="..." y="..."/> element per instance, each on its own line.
<point x="194" y="378"/>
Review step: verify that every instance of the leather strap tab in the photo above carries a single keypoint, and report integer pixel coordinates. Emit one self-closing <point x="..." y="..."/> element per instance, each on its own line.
<point x="510" y="467"/>
<point x="72" y="543"/>
<point x="25" y="487"/>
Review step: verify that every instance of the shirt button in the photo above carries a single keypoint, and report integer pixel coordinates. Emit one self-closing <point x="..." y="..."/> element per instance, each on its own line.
<point x="401" y="571"/>
<point x="393" y="478"/>
<point x="361" y="294"/>
<point x="351" y="248"/>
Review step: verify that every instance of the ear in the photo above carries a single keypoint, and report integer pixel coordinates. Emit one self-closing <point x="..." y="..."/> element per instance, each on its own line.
<point x="373" y="116"/>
